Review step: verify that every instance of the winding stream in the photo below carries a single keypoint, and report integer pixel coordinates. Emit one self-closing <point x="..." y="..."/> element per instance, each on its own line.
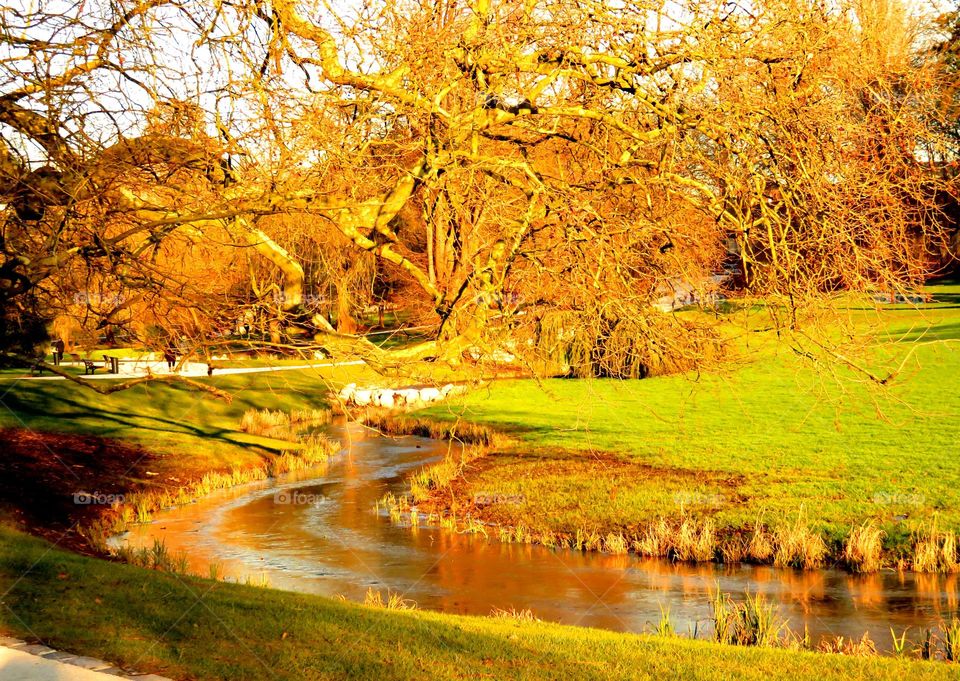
<point x="322" y="536"/>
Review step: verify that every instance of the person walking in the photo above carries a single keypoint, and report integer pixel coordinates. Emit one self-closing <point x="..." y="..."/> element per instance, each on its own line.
<point x="58" y="347"/>
<point x="170" y="356"/>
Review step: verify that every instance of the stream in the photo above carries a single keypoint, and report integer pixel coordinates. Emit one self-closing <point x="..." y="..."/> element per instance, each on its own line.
<point x="322" y="536"/>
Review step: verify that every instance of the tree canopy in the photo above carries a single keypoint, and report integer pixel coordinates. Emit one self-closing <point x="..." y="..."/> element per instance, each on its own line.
<point x="527" y="174"/>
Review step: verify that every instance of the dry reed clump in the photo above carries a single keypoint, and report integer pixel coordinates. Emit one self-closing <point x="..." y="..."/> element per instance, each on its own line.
<point x="434" y="477"/>
<point x="525" y="615"/>
<point x="440" y="475"/>
<point x="215" y="571"/>
<point x="158" y="557"/>
<point x="798" y="546"/>
<point x="935" y="550"/>
<point x="950" y="638"/>
<point x="262" y="421"/>
<point x="316" y="449"/>
<point x="655" y="540"/>
<point x="281" y="425"/>
<point x="474" y="526"/>
<point x="313" y="417"/>
<point x="459" y="431"/>
<point x="760" y="544"/>
<point x="586" y="541"/>
<point x="752" y="622"/>
<point x="615" y="544"/>
<point x="664" y="625"/>
<point x="863" y="549"/>
<point x="841" y="645"/>
<point x="734" y="549"/>
<point x="393" y="601"/>
<point x="522" y="535"/>
<point x="790" y="546"/>
<point x="261" y="581"/>
<point x="688" y="541"/>
<point x="693" y="543"/>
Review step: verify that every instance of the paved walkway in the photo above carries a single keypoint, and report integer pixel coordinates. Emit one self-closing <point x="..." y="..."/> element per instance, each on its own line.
<point x="190" y="370"/>
<point x="29" y="662"/>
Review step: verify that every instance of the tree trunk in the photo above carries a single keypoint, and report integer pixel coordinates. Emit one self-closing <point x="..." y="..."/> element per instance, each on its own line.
<point x="345" y="321"/>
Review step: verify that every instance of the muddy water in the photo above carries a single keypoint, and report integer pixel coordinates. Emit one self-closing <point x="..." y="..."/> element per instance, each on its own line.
<point x="322" y="536"/>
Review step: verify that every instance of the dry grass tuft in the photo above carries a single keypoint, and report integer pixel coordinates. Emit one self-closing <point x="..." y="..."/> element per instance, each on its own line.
<point x="263" y="421"/>
<point x="656" y="540"/>
<point x="950" y="637"/>
<point x="849" y="646"/>
<point x="863" y="549"/>
<point x="525" y="615"/>
<point x="459" y="431"/>
<point x="693" y="543"/>
<point x="935" y="550"/>
<point x="752" y="622"/>
<point x="615" y="544"/>
<point x="798" y="546"/>
<point x="280" y="425"/>
<point x="760" y="546"/>
<point x="734" y="549"/>
<point x="393" y="601"/>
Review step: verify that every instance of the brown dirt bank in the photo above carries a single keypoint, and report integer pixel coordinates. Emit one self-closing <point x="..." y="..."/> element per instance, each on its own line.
<point x="53" y="484"/>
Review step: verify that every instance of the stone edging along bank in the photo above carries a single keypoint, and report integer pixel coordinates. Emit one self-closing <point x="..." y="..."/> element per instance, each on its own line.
<point x="62" y="660"/>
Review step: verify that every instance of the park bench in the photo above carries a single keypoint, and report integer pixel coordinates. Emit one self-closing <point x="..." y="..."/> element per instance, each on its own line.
<point x="89" y="366"/>
<point x="111" y="364"/>
<point x="36" y="369"/>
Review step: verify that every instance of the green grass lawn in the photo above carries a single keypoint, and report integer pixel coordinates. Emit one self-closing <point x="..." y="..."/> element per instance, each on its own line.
<point x="193" y="628"/>
<point x="766" y="437"/>
<point x="169" y="419"/>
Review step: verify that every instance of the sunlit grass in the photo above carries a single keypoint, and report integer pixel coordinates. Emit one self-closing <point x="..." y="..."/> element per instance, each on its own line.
<point x="769" y="438"/>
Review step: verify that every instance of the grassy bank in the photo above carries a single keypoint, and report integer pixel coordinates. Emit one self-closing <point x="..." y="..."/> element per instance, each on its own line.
<point x="170" y="418"/>
<point x="192" y="628"/>
<point x="151" y="446"/>
<point x="771" y="443"/>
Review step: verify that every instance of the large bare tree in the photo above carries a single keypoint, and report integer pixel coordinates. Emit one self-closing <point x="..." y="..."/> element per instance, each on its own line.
<point x="565" y="159"/>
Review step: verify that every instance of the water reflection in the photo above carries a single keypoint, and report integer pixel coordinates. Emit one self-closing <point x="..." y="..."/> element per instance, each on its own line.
<point x="321" y="536"/>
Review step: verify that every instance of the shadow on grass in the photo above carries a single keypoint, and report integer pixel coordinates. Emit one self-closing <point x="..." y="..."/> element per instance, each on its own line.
<point x="164" y="412"/>
<point x="938" y="332"/>
<point x="73" y="416"/>
<point x="947" y="299"/>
